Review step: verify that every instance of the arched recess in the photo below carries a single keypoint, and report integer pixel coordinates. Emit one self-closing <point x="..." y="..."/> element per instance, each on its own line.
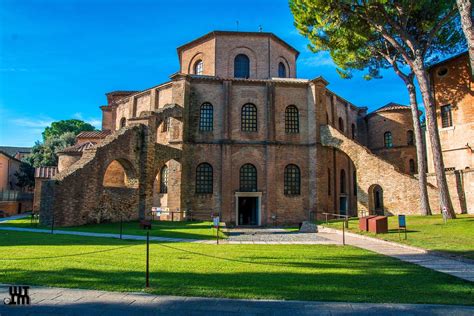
<point x="192" y="62"/>
<point x="376" y="199"/>
<point x="120" y="173"/>
<point x="252" y="59"/>
<point x="167" y="187"/>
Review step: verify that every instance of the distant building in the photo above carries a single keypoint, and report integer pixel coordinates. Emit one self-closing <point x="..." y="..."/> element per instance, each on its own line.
<point x="13" y="199"/>
<point x="454" y="99"/>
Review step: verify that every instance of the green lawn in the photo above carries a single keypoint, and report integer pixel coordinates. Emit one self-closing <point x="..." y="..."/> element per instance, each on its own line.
<point x="291" y="272"/>
<point x="191" y="230"/>
<point x="428" y="232"/>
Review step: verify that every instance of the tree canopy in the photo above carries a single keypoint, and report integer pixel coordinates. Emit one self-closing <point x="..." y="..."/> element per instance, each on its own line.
<point x="64" y="126"/>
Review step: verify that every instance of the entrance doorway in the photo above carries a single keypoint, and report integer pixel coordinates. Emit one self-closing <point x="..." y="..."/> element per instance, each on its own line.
<point x="247" y="210"/>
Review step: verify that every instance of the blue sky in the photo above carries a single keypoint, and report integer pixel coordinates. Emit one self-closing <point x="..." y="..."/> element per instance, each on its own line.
<point x="59" y="57"/>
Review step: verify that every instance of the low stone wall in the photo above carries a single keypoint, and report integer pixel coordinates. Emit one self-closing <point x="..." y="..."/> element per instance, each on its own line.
<point x="400" y="191"/>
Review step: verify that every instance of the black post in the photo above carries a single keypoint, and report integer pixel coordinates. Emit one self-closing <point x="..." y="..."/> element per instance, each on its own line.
<point x="217" y="234"/>
<point x="32" y="217"/>
<point x="52" y="223"/>
<point x="405" y="233"/>
<point x="148" y="259"/>
<point x="347" y="221"/>
<point x="343" y="234"/>
<point x="121" y="226"/>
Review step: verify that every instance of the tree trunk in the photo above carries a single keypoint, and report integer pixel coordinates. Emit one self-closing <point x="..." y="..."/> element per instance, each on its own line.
<point x="420" y="149"/>
<point x="465" y="10"/>
<point x="422" y="77"/>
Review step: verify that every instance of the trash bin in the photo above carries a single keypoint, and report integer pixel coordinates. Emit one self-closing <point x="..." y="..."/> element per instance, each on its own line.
<point x="364" y="222"/>
<point x="378" y="225"/>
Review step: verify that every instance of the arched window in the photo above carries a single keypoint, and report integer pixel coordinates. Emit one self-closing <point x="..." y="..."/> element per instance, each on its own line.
<point x="204" y="176"/>
<point x="343" y="181"/>
<point x="248" y="178"/>
<point x="241" y="66"/>
<point x="164" y="179"/>
<point x="249" y="118"/>
<point x="341" y="125"/>
<point x="292" y="120"/>
<point x="281" y="70"/>
<point x="165" y="125"/>
<point x="327" y="118"/>
<point x="292" y="180"/>
<point x="410" y="138"/>
<point x="206" y="117"/>
<point x="198" y="67"/>
<point x="411" y="164"/>
<point x="123" y="122"/>
<point x="353" y="131"/>
<point x="387" y="140"/>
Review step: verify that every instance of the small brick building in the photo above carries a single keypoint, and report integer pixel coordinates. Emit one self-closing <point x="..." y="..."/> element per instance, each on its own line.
<point x="236" y="132"/>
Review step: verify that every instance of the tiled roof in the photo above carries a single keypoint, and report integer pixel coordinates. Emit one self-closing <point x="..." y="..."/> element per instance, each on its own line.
<point x="12" y="151"/>
<point x="78" y="148"/>
<point x="392" y="106"/>
<point x="46" y="172"/>
<point x="94" y="134"/>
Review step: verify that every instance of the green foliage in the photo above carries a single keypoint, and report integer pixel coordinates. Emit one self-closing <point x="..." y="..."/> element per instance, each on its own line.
<point x="25" y="175"/>
<point x="45" y="154"/>
<point x="352" y="31"/>
<point x="64" y="126"/>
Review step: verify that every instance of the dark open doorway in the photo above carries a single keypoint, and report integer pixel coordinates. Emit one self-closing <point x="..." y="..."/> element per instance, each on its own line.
<point x="248" y="210"/>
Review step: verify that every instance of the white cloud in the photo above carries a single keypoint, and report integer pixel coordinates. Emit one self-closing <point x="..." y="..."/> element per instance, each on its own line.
<point x="32" y="123"/>
<point x="319" y="59"/>
<point x="96" y="122"/>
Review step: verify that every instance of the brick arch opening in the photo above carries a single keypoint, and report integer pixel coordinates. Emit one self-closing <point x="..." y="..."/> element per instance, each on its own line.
<point x="120" y="173"/>
<point x="376" y="199"/>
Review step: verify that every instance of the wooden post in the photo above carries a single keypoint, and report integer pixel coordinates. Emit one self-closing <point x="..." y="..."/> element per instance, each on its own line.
<point x="147" y="285"/>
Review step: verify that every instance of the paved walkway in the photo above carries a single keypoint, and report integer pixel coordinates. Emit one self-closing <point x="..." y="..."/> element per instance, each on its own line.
<point x="10" y="218"/>
<point x="274" y="236"/>
<point x="421" y="257"/>
<point x="58" y="301"/>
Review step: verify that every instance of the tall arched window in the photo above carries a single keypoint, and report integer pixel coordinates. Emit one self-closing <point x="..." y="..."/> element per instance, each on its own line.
<point x="206" y="117"/>
<point x="353" y="131"/>
<point x="123" y="122"/>
<point x="412" y="167"/>
<point x="248" y="178"/>
<point x="292" y="180"/>
<point x="341" y="125"/>
<point x="204" y="177"/>
<point x="292" y="120"/>
<point x="343" y="181"/>
<point x="387" y="140"/>
<point x="198" y="67"/>
<point x="410" y="138"/>
<point x="164" y="179"/>
<point x="249" y="118"/>
<point x="281" y="70"/>
<point x="241" y="66"/>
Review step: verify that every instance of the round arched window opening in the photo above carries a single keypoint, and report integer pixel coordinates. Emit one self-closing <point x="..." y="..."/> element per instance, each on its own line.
<point x="443" y="71"/>
<point x="198" y="67"/>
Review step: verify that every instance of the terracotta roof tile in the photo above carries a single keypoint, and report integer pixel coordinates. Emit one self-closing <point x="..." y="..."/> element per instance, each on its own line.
<point x="94" y="134"/>
<point x="78" y="148"/>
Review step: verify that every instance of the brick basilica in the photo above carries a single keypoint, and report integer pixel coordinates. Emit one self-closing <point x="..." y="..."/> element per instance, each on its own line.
<point x="236" y="132"/>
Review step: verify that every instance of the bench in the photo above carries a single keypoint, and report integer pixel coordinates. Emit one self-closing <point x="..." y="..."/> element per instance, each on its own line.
<point x="145" y="224"/>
